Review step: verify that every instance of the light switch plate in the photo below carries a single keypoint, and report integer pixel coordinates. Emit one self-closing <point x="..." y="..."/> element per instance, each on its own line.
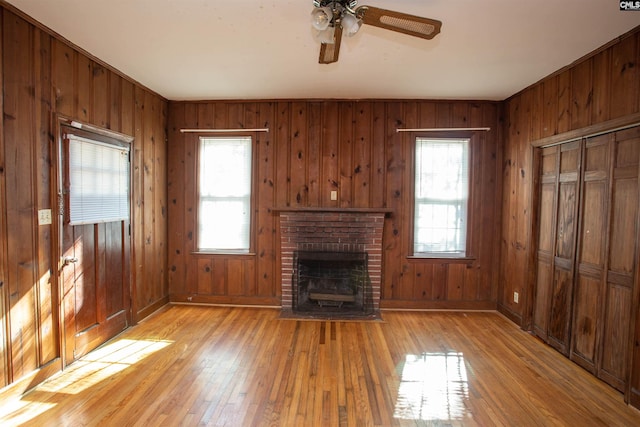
<point x="44" y="217"/>
<point x="334" y="195"/>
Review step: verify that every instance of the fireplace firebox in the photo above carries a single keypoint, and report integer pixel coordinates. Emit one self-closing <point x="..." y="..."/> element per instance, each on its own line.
<point x="331" y="283"/>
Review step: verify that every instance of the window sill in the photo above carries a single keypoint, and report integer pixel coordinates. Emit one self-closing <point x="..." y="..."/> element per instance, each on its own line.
<point x="224" y="253"/>
<point x="441" y="260"/>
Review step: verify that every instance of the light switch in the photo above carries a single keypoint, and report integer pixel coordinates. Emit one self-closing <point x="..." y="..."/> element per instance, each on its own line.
<point x="334" y="195"/>
<point x="44" y="216"/>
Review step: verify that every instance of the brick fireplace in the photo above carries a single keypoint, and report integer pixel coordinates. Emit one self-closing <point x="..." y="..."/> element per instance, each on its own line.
<point x="331" y="230"/>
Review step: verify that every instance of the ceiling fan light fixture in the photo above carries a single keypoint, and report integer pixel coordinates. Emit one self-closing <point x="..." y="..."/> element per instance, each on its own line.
<point x="321" y="18"/>
<point x="350" y="24"/>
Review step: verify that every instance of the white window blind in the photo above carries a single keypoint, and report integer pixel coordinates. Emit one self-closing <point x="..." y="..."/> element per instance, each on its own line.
<point x="224" y="213"/>
<point x="99" y="181"/>
<point x="441" y="197"/>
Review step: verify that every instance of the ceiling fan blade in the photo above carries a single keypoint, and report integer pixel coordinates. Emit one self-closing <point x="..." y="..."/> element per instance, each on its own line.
<point x="400" y="22"/>
<point x="329" y="52"/>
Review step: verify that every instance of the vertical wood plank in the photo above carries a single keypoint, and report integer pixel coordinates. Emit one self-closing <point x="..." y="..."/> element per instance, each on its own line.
<point x="395" y="167"/>
<point x="101" y="90"/>
<point x="330" y="135"/>
<point x="176" y="195"/>
<point x="266" y="218"/>
<point x="601" y="81"/>
<point x="625" y="78"/>
<point x="362" y="155"/>
<point x="564" y="101"/>
<point x="314" y="154"/>
<point x="282" y="150"/>
<point x="63" y="71"/>
<point x="46" y="291"/>
<point x="345" y="153"/>
<point x="378" y="156"/>
<point x="299" y="188"/>
<point x="581" y="94"/>
<point x="205" y="276"/>
<point x="550" y="111"/>
<point x="19" y="145"/>
<point x="5" y="370"/>
<point x="83" y="89"/>
<point x="190" y="147"/>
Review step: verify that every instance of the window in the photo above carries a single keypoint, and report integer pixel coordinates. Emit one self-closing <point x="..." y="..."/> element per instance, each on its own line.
<point x="441" y="196"/>
<point x="224" y="212"/>
<point x="98" y="181"/>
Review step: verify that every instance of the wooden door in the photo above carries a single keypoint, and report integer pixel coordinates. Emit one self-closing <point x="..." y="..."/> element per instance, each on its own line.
<point x="94" y="272"/>
<point x="585" y="288"/>
<point x="564" y="250"/>
<point x="621" y="259"/>
<point x="591" y="252"/>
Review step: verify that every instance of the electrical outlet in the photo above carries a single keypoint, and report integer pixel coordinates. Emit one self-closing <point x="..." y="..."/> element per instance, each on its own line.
<point x="515" y="297"/>
<point x="334" y="195"/>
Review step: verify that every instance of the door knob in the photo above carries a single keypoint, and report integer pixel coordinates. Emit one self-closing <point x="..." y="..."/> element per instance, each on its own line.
<point x="70" y="260"/>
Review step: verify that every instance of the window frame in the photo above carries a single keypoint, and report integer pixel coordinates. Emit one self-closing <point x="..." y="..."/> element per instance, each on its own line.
<point x="198" y="137"/>
<point x="444" y="135"/>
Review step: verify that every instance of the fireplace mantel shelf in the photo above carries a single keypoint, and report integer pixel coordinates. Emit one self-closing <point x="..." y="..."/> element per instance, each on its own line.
<point x="332" y="209"/>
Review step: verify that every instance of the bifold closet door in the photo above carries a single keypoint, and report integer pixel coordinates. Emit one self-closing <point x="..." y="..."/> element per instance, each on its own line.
<point x="556" y="251"/>
<point x="564" y="257"/>
<point x="621" y="259"/>
<point x="591" y="252"/>
<point x="588" y="208"/>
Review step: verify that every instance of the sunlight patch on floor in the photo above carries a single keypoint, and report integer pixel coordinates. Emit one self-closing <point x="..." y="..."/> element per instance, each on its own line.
<point x="433" y="386"/>
<point x="84" y="373"/>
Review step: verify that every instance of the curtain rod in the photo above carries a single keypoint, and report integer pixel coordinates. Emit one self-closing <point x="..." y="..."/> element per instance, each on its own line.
<point x="223" y="130"/>
<point x="484" y="129"/>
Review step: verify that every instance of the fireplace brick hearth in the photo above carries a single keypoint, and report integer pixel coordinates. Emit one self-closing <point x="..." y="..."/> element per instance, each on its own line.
<point x="331" y="230"/>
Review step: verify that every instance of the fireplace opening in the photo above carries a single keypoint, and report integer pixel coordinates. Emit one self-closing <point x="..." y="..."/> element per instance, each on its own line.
<point x="328" y="283"/>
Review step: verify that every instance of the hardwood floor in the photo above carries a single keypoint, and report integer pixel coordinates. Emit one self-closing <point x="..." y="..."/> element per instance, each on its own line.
<point x="193" y="365"/>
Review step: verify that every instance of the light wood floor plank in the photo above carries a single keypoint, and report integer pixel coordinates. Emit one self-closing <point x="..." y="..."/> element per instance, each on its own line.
<point x="222" y="366"/>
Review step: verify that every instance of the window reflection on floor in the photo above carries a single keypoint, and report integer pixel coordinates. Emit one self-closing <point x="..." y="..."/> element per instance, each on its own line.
<point x="433" y="386"/>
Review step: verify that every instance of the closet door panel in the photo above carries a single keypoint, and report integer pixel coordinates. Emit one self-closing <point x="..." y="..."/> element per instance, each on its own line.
<point x="623" y="229"/>
<point x="567" y="200"/>
<point x="546" y="237"/>
<point x="615" y="338"/>
<point x="558" y="334"/>
<point x="541" y="310"/>
<point x="585" y="325"/>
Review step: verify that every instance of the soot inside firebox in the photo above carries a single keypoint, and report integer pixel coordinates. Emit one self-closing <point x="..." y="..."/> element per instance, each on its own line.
<point x="329" y="283"/>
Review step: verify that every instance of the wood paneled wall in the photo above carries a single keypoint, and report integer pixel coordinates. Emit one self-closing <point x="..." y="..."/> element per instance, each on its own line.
<point x="352" y="147"/>
<point x="602" y="87"/>
<point x="593" y="93"/>
<point x="42" y="77"/>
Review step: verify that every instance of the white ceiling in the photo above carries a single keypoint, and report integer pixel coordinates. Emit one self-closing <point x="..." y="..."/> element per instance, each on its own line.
<point x="265" y="49"/>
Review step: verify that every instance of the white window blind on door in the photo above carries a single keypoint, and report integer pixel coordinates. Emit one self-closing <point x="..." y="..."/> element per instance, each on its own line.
<point x="98" y="181"/>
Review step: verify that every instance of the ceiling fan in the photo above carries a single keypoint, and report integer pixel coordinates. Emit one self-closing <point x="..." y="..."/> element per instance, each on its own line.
<point x="332" y="18"/>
